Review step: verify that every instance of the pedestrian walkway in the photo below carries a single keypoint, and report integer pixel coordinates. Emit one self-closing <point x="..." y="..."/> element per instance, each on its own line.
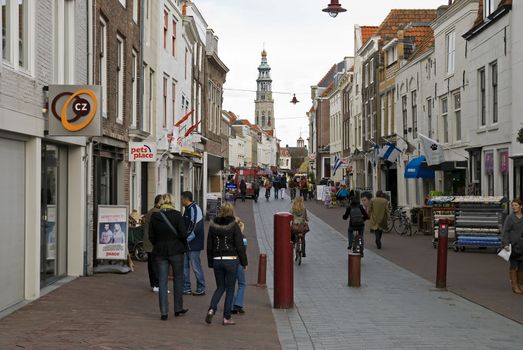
<point x="393" y="309"/>
<point x="112" y="311"/>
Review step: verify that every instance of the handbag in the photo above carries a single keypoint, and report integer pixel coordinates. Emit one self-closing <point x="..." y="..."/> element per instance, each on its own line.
<point x="300" y="228"/>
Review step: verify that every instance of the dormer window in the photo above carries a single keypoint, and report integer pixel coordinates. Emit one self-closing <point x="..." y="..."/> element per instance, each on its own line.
<point x="489" y="6"/>
<point x="391" y="52"/>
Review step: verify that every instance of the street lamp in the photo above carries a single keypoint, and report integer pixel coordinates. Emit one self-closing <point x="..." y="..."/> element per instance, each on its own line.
<point x="334" y="8"/>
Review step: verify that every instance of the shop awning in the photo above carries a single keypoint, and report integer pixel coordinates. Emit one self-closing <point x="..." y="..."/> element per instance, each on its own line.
<point x="418" y="168"/>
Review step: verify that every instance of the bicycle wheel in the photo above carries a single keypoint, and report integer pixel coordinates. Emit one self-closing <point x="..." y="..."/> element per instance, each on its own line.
<point x="400" y="226"/>
<point x="139" y="252"/>
<point x="390" y="224"/>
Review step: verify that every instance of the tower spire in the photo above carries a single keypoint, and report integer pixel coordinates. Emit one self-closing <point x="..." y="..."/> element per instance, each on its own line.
<point x="264" y="104"/>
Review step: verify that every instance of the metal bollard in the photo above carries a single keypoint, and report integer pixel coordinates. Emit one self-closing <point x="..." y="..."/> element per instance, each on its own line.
<point x="283" y="264"/>
<point x="354" y="269"/>
<point x="443" y="242"/>
<point x="262" y="271"/>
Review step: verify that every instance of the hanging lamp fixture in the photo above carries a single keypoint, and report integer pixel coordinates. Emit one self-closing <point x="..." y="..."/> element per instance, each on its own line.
<point x="334" y="8"/>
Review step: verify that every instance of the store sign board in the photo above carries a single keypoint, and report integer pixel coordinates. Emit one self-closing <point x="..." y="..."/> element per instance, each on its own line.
<point x="74" y="110"/>
<point x="142" y="151"/>
<point x="112" y="232"/>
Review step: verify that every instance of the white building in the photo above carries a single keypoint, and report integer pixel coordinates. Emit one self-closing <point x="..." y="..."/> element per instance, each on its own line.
<point x="451" y="64"/>
<point x="285" y="160"/>
<point x="487" y="100"/>
<point x="43" y="185"/>
<point x="516" y="44"/>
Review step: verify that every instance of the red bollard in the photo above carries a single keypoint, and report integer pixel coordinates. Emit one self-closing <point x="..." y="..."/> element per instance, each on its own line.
<point x="262" y="271"/>
<point x="443" y="242"/>
<point x="354" y="269"/>
<point x="283" y="264"/>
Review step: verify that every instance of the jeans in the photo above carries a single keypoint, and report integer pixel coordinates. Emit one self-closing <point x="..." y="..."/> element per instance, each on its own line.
<point x="225" y="272"/>
<point x="304" y="194"/>
<point x="378" y="234"/>
<point x="351" y="235"/>
<point x="152" y="268"/>
<point x="176" y="263"/>
<point x="242" y="283"/>
<point x="276" y="192"/>
<point x="192" y="259"/>
<point x="256" y="195"/>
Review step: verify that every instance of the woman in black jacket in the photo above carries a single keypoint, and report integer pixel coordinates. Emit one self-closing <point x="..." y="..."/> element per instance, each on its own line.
<point x="357" y="216"/>
<point x="168" y="235"/>
<point x="225" y="250"/>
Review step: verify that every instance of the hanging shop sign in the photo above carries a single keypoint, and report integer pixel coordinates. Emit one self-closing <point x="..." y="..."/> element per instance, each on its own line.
<point x="142" y="151"/>
<point x="74" y="110"/>
<point x="112" y="232"/>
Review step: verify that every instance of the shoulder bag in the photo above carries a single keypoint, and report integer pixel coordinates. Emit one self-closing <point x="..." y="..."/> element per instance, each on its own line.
<point x="170" y="225"/>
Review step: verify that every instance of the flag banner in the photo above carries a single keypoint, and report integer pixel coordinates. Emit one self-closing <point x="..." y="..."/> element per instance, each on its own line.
<point x="337" y="164"/>
<point x="390" y="152"/>
<point x="375" y="154"/>
<point x="433" y="150"/>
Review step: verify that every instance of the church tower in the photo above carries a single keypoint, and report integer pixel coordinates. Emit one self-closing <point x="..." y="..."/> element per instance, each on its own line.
<point x="264" y="104"/>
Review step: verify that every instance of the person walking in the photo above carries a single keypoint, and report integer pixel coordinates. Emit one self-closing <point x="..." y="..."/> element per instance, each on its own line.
<point x="299" y="221"/>
<point x="303" y="188"/>
<point x="256" y="189"/>
<point x="268" y="186"/>
<point x="225" y="250"/>
<point x="276" y="185"/>
<point x="513" y="240"/>
<point x="152" y="268"/>
<point x="239" y="297"/>
<point x="243" y="189"/>
<point x="193" y="219"/>
<point x="357" y="216"/>
<point x="283" y="186"/>
<point x="168" y="235"/>
<point x="379" y="215"/>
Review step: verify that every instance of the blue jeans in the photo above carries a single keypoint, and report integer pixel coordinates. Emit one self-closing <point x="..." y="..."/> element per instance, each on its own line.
<point x="192" y="259"/>
<point x="176" y="263"/>
<point x="225" y="272"/>
<point x="240" y="294"/>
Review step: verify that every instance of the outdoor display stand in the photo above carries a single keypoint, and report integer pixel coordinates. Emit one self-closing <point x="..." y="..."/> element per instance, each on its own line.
<point x="443" y="208"/>
<point x="214" y="204"/>
<point x="479" y="221"/>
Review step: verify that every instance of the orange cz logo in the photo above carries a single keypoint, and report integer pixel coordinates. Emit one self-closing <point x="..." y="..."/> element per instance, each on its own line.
<point x="84" y="111"/>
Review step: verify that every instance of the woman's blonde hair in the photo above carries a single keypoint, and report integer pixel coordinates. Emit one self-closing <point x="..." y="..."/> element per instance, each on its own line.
<point x="298" y="205"/>
<point x="167" y="199"/>
<point x="227" y="210"/>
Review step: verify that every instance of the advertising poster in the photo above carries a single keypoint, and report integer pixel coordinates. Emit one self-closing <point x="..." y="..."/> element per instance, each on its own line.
<point x="51" y="232"/>
<point x="112" y="232"/>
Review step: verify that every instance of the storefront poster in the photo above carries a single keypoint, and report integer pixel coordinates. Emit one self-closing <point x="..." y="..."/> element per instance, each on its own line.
<point x="503" y="161"/>
<point x="51" y="232"/>
<point x="489" y="162"/>
<point x="112" y="232"/>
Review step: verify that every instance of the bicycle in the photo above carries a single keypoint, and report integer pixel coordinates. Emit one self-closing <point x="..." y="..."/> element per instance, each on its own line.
<point x="298" y="248"/>
<point x="402" y="224"/>
<point x="357" y="243"/>
<point x="395" y="214"/>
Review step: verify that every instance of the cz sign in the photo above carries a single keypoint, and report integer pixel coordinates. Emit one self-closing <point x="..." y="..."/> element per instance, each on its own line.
<point x="74" y="110"/>
<point x="142" y="152"/>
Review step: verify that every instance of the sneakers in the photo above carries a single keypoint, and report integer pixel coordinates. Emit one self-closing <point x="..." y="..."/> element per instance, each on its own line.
<point x="228" y="322"/>
<point x="237" y="310"/>
<point x="210" y="314"/>
<point x="164" y="317"/>
<point x="197" y="293"/>
<point x="156" y="289"/>
<point x="187" y="292"/>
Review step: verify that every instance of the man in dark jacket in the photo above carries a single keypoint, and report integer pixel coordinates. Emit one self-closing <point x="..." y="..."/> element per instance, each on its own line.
<point x="193" y="218"/>
<point x="243" y="189"/>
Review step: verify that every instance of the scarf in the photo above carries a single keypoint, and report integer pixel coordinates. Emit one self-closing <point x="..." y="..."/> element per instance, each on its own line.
<point x="167" y="206"/>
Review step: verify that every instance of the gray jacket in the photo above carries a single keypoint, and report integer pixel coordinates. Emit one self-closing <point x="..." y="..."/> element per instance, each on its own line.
<point x="512" y="229"/>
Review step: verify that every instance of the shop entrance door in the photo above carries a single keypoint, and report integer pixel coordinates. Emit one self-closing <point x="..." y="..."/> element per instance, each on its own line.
<point x="53" y="241"/>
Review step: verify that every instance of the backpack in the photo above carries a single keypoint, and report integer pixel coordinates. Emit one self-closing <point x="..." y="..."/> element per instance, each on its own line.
<point x="356" y="217"/>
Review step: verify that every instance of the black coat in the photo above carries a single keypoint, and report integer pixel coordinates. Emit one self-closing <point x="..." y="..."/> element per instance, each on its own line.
<point x="225" y="239"/>
<point x="165" y="241"/>
<point x="363" y="211"/>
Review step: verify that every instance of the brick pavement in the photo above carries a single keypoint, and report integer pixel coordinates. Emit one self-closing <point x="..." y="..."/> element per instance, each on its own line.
<point x="394" y="308"/>
<point x="478" y="275"/>
<point x="111" y="311"/>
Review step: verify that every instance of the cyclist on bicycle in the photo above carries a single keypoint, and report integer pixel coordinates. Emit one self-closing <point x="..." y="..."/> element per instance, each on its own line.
<point x="358" y="215"/>
<point x="300" y="220"/>
<point x="268" y="186"/>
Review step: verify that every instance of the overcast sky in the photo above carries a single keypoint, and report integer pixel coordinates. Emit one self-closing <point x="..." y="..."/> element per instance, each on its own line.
<point x="301" y="41"/>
